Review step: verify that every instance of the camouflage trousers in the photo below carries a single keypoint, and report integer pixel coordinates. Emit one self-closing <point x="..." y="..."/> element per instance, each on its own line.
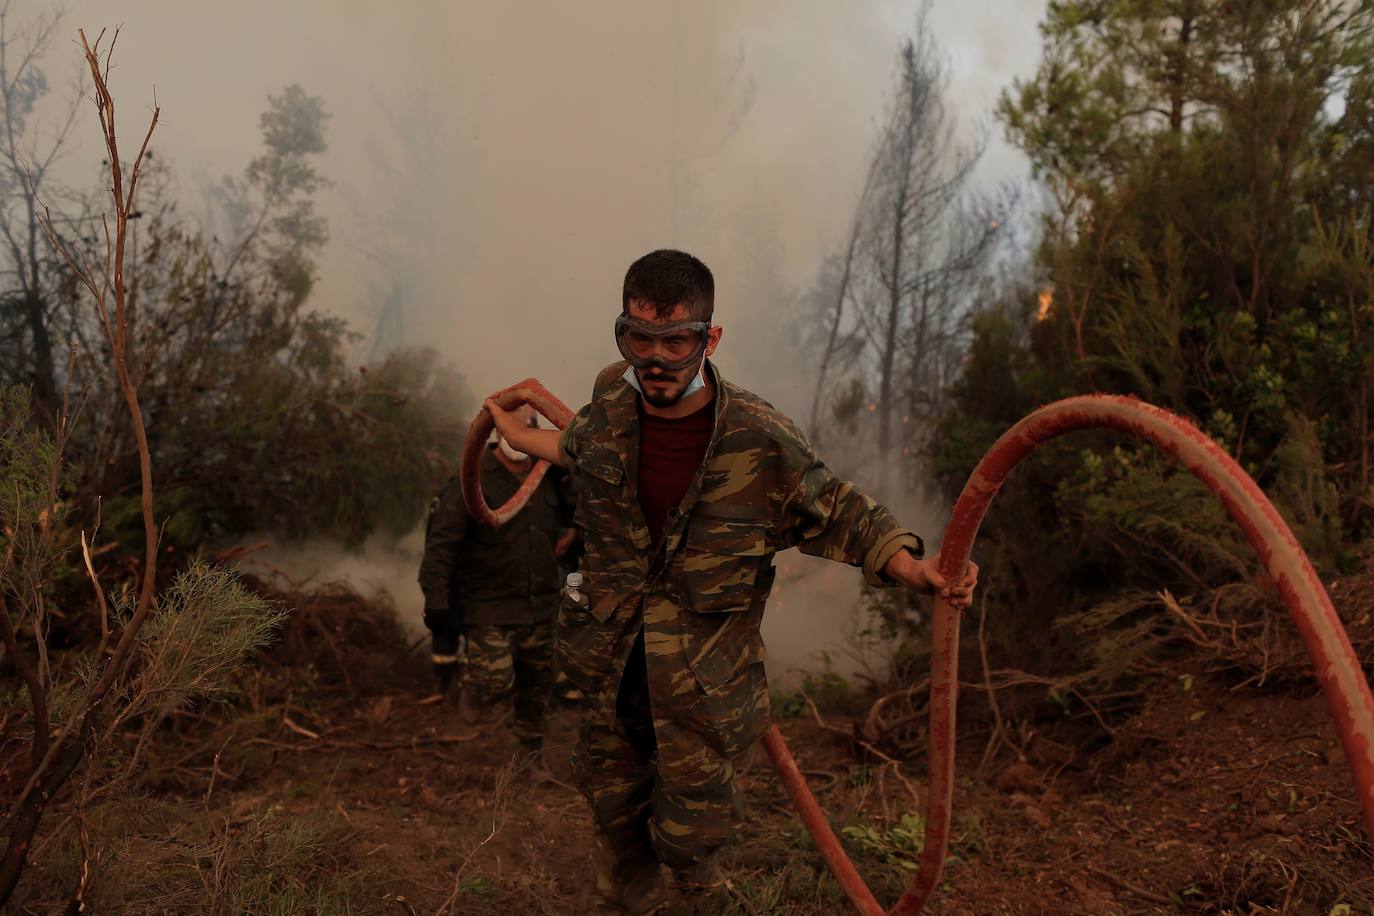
<point x="513" y="660"/>
<point x="644" y="814"/>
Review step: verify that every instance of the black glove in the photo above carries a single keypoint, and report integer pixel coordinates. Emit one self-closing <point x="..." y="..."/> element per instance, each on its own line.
<point x="446" y="634"/>
<point x="436" y="620"/>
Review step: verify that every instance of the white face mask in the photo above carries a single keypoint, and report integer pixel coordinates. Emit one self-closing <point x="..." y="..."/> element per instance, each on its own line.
<point x="696" y="384"/>
<point x="509" y="452"/>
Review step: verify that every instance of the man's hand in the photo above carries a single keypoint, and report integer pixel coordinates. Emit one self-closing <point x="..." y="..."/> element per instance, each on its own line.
<point x="924" y="576"/>
<point x="541" y="443"/>
<point x="509" y="423"/>
<point x="440" y="623"/>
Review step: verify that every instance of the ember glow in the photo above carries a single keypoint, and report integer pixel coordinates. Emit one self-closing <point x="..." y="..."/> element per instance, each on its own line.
<point x="1046" y="301"/>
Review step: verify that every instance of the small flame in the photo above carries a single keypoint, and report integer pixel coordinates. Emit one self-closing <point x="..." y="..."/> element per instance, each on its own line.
<point x="1046" y="300"/>
<point x="872" y="408"/>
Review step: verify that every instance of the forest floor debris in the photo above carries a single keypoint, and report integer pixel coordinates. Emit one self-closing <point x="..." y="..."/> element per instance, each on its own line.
<point x="1215" y="798"/>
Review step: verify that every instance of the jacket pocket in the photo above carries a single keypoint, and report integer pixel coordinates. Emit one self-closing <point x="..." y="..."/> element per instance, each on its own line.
<point x="721" y="563"/>
<point x="720" y="663"/>
<point x="600" y="482"/>
<point x="732" y="696"/>
<point x="603" y="464"/>
<point x="584" y="646"/>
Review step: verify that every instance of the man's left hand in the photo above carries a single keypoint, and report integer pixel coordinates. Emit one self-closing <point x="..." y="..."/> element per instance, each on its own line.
<point x="924" y="576"/>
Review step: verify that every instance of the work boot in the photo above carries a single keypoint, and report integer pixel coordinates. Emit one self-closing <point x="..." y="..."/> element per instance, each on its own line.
<point x="470" y="706"/>
<point x="702" y="876"/>
<point x="640" y="889"/>
<point x="443" y="676"/>
<point x="536" y="773"/>
<point x="605" y="877"/>
<point x="645" y="891"/>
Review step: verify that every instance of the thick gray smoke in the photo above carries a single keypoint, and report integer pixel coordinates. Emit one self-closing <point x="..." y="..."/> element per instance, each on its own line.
<point x="495" y="171"/>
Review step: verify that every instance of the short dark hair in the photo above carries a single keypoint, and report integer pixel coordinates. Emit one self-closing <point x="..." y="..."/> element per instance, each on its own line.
<point x="666" y="279"/>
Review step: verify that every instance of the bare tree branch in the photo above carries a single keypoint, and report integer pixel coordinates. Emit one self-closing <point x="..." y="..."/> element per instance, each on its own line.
<point x="60" y="757"/>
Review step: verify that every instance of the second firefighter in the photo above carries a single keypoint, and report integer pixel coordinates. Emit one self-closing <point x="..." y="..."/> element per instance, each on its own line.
<point x="497" y="590"/>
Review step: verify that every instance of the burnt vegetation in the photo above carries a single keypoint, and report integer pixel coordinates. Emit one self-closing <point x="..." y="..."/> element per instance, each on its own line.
<point x="1202" y="242"/>
<point x="140" y="347"/>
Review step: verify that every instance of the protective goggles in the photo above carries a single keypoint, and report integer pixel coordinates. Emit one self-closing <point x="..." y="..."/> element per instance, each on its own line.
<point x="667" y="346"/>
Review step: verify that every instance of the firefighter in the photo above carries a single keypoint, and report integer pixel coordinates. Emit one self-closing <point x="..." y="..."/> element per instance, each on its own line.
<point x="493" y="592"/>
<point x="687" y="487"/>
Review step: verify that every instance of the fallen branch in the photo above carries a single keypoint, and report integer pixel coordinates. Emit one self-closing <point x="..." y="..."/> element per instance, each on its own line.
<point x="399" y="745"/>
<point x="868" y="746"/>
<point x="740" y="898"/>
<point x="872" y="726"/>
<point x="1127" y="886"/>
<point x="300" y="730"/>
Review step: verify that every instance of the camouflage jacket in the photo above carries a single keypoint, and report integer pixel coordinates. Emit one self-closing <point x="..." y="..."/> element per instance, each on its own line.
<point x="505" y="575"/>
<point x="700" y="592"/>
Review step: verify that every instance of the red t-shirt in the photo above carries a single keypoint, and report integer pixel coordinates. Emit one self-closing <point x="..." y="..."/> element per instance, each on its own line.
<point x="670" y="452"/>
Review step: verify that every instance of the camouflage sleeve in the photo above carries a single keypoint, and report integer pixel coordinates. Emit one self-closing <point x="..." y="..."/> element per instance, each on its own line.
<point x="828" y="517"/>
<point x="444" y="531"/>
<point x="569" y="440"/>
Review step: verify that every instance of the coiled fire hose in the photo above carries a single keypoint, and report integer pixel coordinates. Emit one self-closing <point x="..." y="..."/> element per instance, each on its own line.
<point x="1337" y="668"/>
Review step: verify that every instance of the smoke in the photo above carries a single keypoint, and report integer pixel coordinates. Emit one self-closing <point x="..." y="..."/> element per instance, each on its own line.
<point x="384" y="567"/>
<point x="495" y="173"/>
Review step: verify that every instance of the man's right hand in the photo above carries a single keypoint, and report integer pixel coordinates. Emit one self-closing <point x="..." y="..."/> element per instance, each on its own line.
<point x="509" y="423"/>
<point x="541" y="443"/>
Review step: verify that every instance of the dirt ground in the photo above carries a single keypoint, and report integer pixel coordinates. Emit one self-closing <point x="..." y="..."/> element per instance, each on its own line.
<point x="1213" y="800"/>
<point x="340" y="786"/>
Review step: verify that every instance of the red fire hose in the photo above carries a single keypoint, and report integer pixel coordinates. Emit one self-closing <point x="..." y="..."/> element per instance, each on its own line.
<point x="1338" y="670"/>
<point x="527" y="392"/>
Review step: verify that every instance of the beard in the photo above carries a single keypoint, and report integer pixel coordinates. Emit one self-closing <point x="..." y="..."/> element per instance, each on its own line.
<point x="677" y="384"/>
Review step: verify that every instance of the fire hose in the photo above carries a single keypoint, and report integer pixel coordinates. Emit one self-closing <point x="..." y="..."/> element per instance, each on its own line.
<point x="1338" y="670"/>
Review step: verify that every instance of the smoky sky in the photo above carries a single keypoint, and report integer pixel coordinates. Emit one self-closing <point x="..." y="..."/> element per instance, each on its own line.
<point x="496" y="167"/>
